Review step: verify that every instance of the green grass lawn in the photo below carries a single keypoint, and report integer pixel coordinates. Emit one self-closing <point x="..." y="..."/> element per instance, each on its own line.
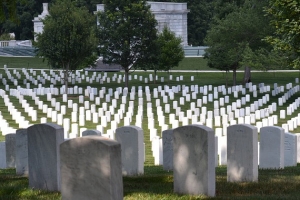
<point x="156" y="183"/>
<point x="23" y="62"/>
<point x="38" y="63"/>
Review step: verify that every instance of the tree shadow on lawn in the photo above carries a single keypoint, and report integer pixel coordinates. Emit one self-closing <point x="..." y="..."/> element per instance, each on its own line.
<point x="13" y="187"/>
<point x="155" y="180"/>
<point x="271" y="184"/>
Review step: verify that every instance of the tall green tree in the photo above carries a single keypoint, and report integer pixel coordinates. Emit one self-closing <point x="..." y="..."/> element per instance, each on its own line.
<point x="68" y="39"/>
<point x="170" y="50"/>
<point x="229" y="37"/>
<point x="167" y="53"/>
<point x="286" y="21"/>
<point x="199" y="19"/>
<point x="126" y="33"/>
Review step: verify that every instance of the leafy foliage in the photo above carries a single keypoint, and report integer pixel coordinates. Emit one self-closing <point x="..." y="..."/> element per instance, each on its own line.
<point x="126" y="33"/>
<point x="230" y="36"/>
<point x="265" y="59"/>
<point x="68" y="39"/>
<point x="170" y="51"/>
<point x="198" y="19"/>
<point x="285" y="19"/>
<point x="8" y="10"/>
<point x="25" y="10"/>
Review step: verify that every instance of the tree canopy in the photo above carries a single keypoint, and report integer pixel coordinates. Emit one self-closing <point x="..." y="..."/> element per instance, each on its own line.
<point x="285" y="19"/>
<point x="229" y="37"/>
<point x="8" y="10"/>
<point x="68" y="39"/>
<point x="126" y="33"/>
<point x="23" y="12"/>
<point x="168" y="52"/>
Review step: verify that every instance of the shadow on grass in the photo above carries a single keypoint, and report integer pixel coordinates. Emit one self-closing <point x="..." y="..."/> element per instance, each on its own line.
<point x="155" y="180"/>
<point x="13" y="187"/>
<point x="158" y="184"/>
<point x="272" y="184"/>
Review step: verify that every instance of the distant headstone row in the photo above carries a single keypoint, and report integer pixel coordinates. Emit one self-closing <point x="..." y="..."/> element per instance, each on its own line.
<point x="77" y="166"/>
<point x="108" y="106"/>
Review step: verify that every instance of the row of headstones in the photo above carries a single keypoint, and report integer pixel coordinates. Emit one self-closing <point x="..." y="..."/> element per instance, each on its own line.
<point x="277" y="149"/>
<point x="203" y="90"/>
<point x="56" y="164"/>
<point x="95" y="119"/>
<point x="67" y="127"/>
<point x="69" y="102"/>
<point x="238" y="103"/>
<point x="87" y="116"/>
<point x="247" y="119"/>
<point x="77" y="77"/>
<point x="55" y="79"/>
<point x="92" y="161"/>
<point x="166" y="93"/>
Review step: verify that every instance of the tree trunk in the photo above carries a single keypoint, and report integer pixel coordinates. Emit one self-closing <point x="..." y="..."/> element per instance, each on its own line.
<point x="66" y="77"/>
<point x="126" y="76"/>
<point x="234" y="77"/>
<point x="226" y="73"/>
<point x="247" y="75"/>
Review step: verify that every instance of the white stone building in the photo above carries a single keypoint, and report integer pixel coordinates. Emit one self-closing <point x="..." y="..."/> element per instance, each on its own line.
<point x="173" y="15"/>
<point x="37" y="21"/>
<point x="170" y="14"/>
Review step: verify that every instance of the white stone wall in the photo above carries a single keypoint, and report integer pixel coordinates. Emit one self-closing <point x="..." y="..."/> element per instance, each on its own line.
<point x="37" y="21"/>
<point x="172" y="15"/>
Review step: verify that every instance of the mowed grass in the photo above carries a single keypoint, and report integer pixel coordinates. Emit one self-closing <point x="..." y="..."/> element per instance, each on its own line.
<point x="23" y="62"/>
<point x="157" y="183"/>
<point x="191" y="63"/>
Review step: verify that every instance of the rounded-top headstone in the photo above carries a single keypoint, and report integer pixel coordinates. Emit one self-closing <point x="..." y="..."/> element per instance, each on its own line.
<point x="91" y="168"/>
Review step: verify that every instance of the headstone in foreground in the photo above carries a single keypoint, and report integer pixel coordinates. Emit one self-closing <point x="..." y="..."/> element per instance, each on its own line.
<point x="290" y="150"/>
<point x="21" y="152"/>
<point x="91" y="168"/>
<point x="43" y="156"/>
<point x="194" y="160"/>
<point x="167" y="140"/>
<point x="2" y="155"/>
<point x="242" y="153"/>
<point x="131" y="139"/>
<point x="271" y="148"/>
<point x="10" y="148"/>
